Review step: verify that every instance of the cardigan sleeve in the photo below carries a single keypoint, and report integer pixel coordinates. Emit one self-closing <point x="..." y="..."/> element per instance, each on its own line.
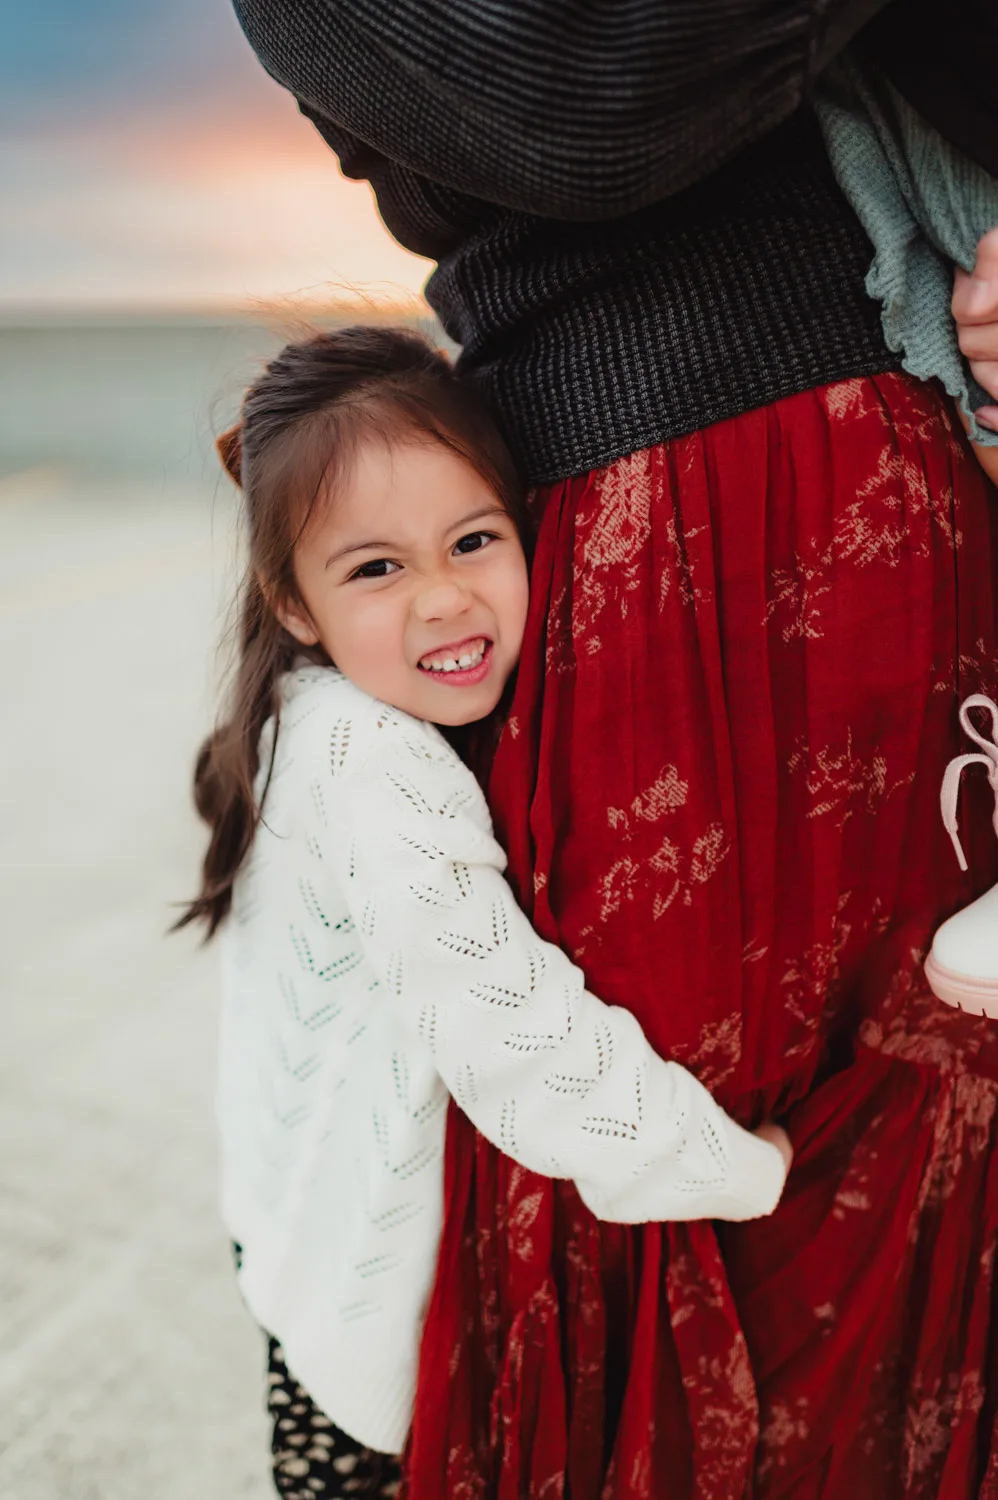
<point x="566" y="1085"/>
<point x="567" y="109"/>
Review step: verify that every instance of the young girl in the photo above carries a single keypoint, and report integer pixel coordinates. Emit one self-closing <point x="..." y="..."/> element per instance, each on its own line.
<point x="376" y="958"/>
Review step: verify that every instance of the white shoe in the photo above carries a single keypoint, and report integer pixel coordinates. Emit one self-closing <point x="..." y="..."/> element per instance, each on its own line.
<point x="962" y="967"/>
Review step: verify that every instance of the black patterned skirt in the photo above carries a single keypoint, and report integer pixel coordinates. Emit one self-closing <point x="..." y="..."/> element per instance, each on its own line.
<point x="313" y="1459"/>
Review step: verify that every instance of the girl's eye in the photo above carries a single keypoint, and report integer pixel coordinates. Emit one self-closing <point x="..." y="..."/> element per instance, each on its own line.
<point x="379" y="567"/>
<point x="475" y="541"/>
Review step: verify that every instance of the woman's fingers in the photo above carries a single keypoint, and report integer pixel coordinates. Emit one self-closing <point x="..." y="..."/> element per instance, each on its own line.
<point x="986" y="457"/>
<point x="975" y="294"/>
<point x="979" y="341"/>
<point x="975" y="309"/>
<point x="985" y="372"/>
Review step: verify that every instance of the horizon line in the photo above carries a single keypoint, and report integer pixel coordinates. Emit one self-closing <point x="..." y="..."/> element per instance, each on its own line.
<point x="16" y="312"/>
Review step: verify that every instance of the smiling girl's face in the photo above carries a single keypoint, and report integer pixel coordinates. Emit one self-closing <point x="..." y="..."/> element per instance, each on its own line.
<point x="413" y="580"/>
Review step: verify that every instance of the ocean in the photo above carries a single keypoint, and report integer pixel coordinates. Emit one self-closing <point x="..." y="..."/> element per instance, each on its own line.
<point x="142" y="396"/>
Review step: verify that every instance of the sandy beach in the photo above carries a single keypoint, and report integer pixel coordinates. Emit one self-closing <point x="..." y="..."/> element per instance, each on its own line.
<point x="129" y="1367"/>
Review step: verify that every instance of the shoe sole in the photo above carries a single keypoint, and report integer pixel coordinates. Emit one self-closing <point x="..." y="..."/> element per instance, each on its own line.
<point x="978" y="997"/>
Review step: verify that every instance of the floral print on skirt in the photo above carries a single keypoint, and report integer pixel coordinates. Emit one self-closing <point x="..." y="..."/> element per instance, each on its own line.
<point x="719" y="790"/>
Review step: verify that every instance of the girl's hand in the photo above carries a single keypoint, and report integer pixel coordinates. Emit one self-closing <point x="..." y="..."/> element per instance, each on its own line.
<point x="975" y="309"/>
<point x="776" y="1136"/>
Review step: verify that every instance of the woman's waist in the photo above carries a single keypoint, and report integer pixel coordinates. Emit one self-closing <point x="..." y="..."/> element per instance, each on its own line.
<point x="596" y="340"/>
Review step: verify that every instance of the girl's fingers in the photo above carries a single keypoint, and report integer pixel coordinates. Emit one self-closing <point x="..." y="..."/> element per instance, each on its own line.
<point x="988" y="417"/>
<point x="985" y="372"/>
<point x="975" y="295"/>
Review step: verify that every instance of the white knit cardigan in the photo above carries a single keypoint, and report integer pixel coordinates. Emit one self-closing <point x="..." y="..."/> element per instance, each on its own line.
<point x="375" y="961"/>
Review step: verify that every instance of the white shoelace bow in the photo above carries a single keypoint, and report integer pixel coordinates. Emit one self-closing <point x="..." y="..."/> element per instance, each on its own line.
<point x="987" y="756"/>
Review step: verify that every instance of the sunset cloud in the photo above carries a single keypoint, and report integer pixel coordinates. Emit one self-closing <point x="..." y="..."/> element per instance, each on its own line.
<point x="172" y="172"/>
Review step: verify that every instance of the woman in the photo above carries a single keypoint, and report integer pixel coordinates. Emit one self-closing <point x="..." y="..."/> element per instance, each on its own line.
<point x="763" y="580"/>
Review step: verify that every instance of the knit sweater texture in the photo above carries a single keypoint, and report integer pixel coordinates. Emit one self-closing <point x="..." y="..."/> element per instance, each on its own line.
<point x="925" y="205"/>
<point x="636" y="228"/>
<point x="376" y="961"/>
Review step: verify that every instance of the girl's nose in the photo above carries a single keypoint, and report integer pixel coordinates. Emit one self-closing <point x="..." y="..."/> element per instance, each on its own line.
<point x="442" y="601"/>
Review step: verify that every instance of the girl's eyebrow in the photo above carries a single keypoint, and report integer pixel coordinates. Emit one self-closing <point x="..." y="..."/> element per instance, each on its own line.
<point x="475" y="515"/>
<point x="354" y="547"/>
<point x="479" y="515"/>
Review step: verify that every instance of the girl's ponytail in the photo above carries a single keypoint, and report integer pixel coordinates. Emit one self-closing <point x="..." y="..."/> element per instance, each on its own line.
<point x="226" y="767"/>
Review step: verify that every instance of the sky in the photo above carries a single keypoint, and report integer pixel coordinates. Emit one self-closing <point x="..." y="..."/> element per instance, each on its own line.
<point x="148" y="162"/>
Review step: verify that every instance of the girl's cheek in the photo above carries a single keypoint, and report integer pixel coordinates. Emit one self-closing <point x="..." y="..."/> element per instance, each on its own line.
<point x="519" y="594"/>
<point x="380" y="629"/>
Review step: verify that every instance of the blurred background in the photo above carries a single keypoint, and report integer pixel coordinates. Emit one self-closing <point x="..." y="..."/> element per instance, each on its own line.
<point x="168" y="219"/>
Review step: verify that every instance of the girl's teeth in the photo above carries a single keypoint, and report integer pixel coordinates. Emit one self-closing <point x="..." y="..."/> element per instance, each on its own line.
<point x="449" y="664"/>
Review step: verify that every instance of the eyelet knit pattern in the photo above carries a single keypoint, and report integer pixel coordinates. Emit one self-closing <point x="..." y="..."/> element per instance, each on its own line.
<point x="377" y="961"/>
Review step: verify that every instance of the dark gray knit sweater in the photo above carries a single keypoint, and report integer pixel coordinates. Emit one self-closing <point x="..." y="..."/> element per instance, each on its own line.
<point x="636" y="229"/>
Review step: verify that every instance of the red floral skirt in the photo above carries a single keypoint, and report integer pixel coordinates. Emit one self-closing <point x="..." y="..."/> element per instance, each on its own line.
<point x="719" y="789"/>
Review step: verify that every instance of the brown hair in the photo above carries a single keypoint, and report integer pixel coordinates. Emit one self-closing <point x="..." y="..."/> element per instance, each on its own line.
<point x="300" y="425"/>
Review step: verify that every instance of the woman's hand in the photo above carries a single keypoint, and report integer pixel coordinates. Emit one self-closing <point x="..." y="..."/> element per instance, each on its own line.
<point x="975" y="309"/>
<point x="776" y="1136"/>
